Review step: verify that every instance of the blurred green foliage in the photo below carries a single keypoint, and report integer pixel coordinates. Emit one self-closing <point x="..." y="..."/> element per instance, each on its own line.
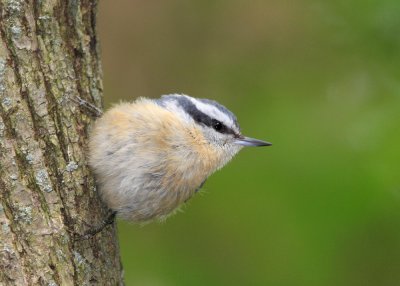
<point x="319" y="79"/>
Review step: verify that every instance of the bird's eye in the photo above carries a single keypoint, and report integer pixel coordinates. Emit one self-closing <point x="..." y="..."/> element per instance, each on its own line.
<point x="218" y="126"/>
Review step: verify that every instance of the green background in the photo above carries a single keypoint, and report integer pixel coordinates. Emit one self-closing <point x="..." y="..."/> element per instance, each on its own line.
<point x="319" y="79"/>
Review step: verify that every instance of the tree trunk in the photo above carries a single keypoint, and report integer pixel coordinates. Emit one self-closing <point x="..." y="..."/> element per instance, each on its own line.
<point x="49" y="56"/>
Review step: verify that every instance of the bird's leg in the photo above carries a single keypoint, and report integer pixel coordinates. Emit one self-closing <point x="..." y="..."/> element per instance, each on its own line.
<point x="96" y="229"/>
<point x="87" y="106"/>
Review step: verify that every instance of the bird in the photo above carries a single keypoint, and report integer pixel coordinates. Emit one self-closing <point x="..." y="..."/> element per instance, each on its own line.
<point x="150" y="156"/>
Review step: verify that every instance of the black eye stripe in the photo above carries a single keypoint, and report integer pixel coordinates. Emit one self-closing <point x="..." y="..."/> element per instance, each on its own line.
<point x="197" y="115"/>
<point x="218" y="126"/>
<point x="221" y="128"/>
<point x="221" y="108"/>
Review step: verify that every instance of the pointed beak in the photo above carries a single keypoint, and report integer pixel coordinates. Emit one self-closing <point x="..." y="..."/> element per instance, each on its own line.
<point x="247" y="141"/>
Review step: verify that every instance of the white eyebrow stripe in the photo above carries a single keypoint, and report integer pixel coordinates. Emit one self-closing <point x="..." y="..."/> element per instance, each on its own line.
<point x="172" y="105"/>
<point x="213" y="112"/>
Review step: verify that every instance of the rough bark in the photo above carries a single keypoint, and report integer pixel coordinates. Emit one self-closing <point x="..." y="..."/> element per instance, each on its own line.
<point x="48" y="56"/>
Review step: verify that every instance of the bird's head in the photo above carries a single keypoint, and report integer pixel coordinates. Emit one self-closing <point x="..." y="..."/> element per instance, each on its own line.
<point x="219" y="126"/>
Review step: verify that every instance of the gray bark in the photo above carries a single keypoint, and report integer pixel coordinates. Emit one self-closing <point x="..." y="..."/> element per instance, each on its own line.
<point x="48" y="56"/>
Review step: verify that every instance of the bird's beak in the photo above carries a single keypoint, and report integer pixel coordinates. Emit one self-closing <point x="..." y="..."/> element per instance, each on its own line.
<point x="247" y="141"/>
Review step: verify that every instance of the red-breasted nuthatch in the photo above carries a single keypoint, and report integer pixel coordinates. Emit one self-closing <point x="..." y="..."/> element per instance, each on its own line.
<point x="152" y="155"/>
